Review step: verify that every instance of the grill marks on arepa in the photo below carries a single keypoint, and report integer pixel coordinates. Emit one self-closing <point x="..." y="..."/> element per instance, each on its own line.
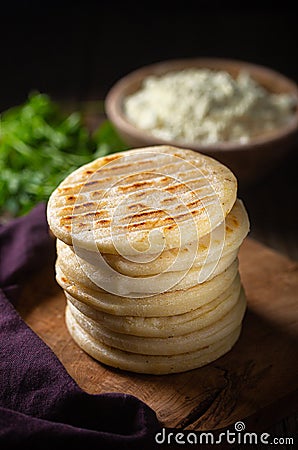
<point x="193" y="201"/>
<point x="106" y="192"/>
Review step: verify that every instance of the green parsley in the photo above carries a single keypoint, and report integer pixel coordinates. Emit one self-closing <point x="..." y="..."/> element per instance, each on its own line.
<point x="39" y="146"/>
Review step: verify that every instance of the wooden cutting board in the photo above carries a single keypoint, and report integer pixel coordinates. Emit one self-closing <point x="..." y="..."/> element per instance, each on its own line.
<point x="257" y="381"/>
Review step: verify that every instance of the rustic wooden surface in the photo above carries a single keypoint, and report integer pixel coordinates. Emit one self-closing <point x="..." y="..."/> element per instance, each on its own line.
<point x="256" y="382"/>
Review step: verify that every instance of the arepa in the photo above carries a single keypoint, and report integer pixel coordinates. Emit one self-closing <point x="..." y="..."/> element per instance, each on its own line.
<point x="143" y="200"/>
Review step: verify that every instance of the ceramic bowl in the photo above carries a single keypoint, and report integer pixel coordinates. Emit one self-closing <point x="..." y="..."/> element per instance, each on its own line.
<point x="249" y="161"/>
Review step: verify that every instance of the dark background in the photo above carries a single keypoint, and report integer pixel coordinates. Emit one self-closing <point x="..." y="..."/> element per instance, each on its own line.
<point x="77" y="50"/>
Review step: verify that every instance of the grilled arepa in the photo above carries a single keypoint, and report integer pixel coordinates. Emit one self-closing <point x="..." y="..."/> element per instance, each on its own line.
<point x="145" y="200"/>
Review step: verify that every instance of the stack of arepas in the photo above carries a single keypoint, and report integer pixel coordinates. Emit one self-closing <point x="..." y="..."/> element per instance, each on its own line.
<point x="147" y="245"/>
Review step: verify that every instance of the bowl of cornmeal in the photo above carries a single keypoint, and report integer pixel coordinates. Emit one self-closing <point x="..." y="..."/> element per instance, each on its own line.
<point x="242" y="114"/>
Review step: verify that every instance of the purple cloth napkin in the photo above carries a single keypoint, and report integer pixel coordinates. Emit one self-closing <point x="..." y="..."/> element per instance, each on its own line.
<point x="40" y="404"/>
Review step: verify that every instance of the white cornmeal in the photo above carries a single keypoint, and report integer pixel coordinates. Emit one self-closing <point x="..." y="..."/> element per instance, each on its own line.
<point x="204" y="106"/>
